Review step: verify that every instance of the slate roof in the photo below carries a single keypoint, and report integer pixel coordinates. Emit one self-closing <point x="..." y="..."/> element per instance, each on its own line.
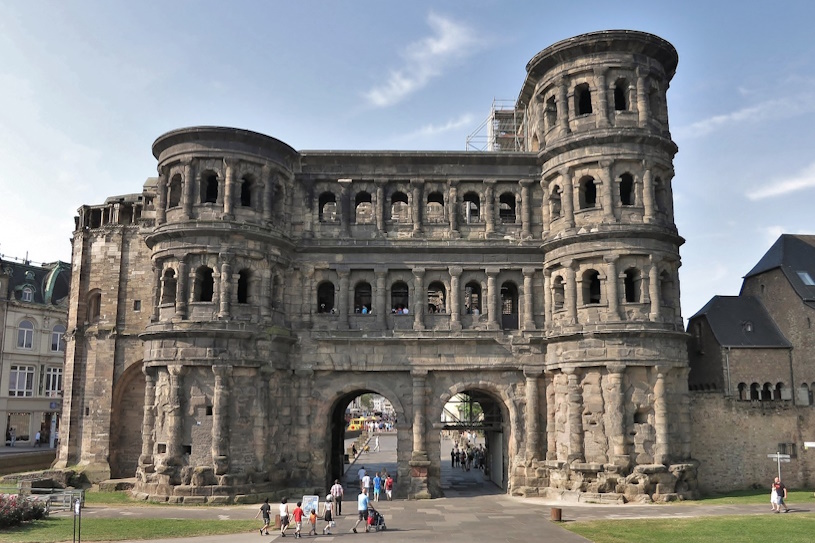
<point x="728" y="317"/>
<point x="792" y="254"/>
<point x="50" y="283"/>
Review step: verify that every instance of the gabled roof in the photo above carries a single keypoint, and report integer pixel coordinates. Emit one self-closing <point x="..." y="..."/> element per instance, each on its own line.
<point x="795" y="256"/>
<point x="742" y="322"/>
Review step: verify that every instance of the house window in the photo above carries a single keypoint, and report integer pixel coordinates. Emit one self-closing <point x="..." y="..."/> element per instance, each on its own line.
<point x="94" y="306"/>
<point x="472" y="298"/>
<point x="436" y="298"/>
<point x="21" y="381"/>
<point x="25" y="335"/>
<point x="174" y="192"/>
<point x="435" y="207"/>
<point x="554" y="202"/>
<point x="632" y="283"/>
<point x="53" y="382"/>
<point x="244" y="278"/>
<point x="168" y="287"/>
<point x="582" y="99"/>
<point x="58" y="338"/>
<point x="551" y="113"/>
<point x="806" y="278"/>
<point x="558" y="293"/>
<point x="27" y="294"/>
<point x="621" y="95"/>
<point x="246" y="191"/>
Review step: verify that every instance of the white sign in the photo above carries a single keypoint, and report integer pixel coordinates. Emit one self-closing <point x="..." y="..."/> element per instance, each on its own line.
<point x="809" y="444"/>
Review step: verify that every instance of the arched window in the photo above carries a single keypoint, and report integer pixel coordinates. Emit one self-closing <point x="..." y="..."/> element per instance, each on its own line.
<point x="591" y="287"/>
<point x="328" y="207"/>
<point x="506" y="208"/>
<point x="399" y="297"/>
<point x="777" y="391"/>
<point x="58" y="338"/>
<point x="666" y="289"/>
<point x="558" y="293"/>
<point x="204" y="284"/>
<point x="435" y="207"/>
<point x="509" y="306"/>
<point x="472" y="297"/>
<point x="174" y="192"/>
<point x="755" y="391"/>
<point x="582" y="99"/>
<point x="436" y="295"/>
<point x="209" y="187"/>
<point x="804" y="394"/>
<point x="472" y="208"/>
<point x="621" y="95"/>
<point x="277" y="292"/>
<point x="27" y="294"/>
<point x="363" y="208"/>
<point x="588" y="193"/>
<point x="767" y="392"/>
<point x="554" y="202"/>
<point x="632" y="283"/>
<point x="627" y="189"/>
<point x="25" y="335"/>
<point x="400" y="210"/>
<point x="94" y="306"/>
<point x="362" y="298"/>
<point x="744" y="394"/>
<point x="247" y="187"/>
<point x="325" y="297"/>
<point x="168" y="286"/>
<point x="244" y="283"/>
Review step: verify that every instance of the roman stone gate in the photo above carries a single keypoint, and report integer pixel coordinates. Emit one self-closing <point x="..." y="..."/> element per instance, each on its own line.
<point x="258" y="289"/>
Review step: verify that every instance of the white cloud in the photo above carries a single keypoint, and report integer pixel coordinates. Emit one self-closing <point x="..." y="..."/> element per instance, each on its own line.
<point x="805" y="179"/>
<point x="430" y="130"/>
<point x="425" y="60"/>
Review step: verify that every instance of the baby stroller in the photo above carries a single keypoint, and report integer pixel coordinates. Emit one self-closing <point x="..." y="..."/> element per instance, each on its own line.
<point x="375" y="520"/>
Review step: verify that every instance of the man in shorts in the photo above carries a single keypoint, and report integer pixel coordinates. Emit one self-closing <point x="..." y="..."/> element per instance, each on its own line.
<point x="362" y="510"/>
<point x="265" y="509"/>
<point x="284" y="517"/>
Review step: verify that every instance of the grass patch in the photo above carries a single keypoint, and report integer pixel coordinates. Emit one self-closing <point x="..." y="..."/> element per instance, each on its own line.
<point x="792" y="528"/>
<point x="53" y="530"/>
<point x="742" y="497"/>
<point x="94" y="497"/>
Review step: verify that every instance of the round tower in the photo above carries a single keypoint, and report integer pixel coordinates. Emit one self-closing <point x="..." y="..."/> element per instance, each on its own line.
<point x="616" y="361"/>
<point x="219" y="249"/>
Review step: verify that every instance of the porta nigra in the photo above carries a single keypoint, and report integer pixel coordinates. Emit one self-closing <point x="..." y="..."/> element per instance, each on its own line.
<point x="217" y="330"/>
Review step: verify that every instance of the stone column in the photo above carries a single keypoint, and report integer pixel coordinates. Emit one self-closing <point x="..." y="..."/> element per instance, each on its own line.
<point x="265" y="292"/>
<point x="602" y="98"/>
<point x="545" y="217"/>
<point x="187" y="196"/>
<point x="642" y="97"/>
<point x="661" y="455"/>
<point x="268" y="193"/>
<point x="570" y="293"/>
<point x="612" y="282"/>
<point x="345" y="207"/>
<point x="492" y="299"/>
<point x="528" y="318"/>
<point x="161" y="204"/>
<point x="489" y="206"/>
<point x="181" y="290"/>
<point x="575" y="416"/>
<point x="309" y="295"/>
<point x="420" y="299"/>
<point x="229" y="188"/>
<point x="344" y="299"/>
<point x="416" y="186"/>
<point x="157" y="288"/>
<point x="175" y="417"/>
<point x="615" y="409"/>
<point x="551" y="433"/>
<point x="452" y="207"/>
<point x="607" y="191"/>
<point x="381" y="309"/>
<point x="653" y="291"/>
<point x="526" y="208"/>
<point x="567" y="201"/>
<point x="669" y="201"/>
<point x="563" y="107"/>
<point x="648" y="193"/>
<point x="531" y="426"/>
<point x="148" y="420"/>
<point x="220" y="419"/>
<point x="379" y="210"/>
<point x="455" y="298"/>
<point x="547" y="297"/>
<point x="225" y="286"/>
<point x="419" y="461"/>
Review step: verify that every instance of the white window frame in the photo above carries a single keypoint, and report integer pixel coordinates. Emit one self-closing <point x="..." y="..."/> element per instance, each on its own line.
<point x="21" y="381"/>
<point x="25" y="335"/>
<point x="58" y="339"/>
<point x="27" y="295"/>
<point x="53" y="382"/>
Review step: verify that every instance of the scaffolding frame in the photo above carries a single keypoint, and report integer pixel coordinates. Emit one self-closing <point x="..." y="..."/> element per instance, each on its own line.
<point x="503" y="130"/>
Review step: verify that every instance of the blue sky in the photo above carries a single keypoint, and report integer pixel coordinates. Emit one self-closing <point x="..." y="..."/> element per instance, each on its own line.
<point x="87" y="86"/>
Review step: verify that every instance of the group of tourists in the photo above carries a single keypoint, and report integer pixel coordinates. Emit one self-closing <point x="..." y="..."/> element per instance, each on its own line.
<point x="468" y="457"/>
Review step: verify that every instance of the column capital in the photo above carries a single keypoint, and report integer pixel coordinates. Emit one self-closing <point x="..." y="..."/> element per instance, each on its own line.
<point x="453" y="182"/>
<point x="526" y="183"/>
<point x="175" y="370"/>
<point x="417" y="182"/>
<point x="419" y="373"/>
<point x="223" y="371"/>
<point x="532" y="372"/>
<point x="642" y="71"/>
<point x="343" y="271"/>
<point x="605" y="163"/>
<point x="230" y="162"/>
<point x="600" y="70"/>
<point x="528" y="272"/>
<point x="492" y="272"/>
<point x="380" y="271"/>
<point x="418" y="272"/>
<point x="380" y="182"/>
<point x="490" y="182"/>
<point x="616" y="368"/>
<point x="455" y="271"/>
<point x="565" y="171"/>
<point x="610" y="259"/>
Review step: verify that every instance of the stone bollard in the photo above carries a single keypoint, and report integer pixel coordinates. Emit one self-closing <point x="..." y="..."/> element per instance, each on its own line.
<point x="556" y="514"/>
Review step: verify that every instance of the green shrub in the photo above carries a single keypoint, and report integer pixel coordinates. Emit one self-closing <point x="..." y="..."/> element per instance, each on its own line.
<point x="15" y="510"/>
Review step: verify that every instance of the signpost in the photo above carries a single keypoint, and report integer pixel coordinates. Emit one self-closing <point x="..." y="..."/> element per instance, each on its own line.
<point x="778" y="457"/>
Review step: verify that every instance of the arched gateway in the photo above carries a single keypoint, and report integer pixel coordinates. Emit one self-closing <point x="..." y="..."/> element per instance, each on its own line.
<point x="259" y="288"/>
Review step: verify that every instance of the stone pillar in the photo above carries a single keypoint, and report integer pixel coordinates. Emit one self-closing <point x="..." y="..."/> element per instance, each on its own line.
<point x="265" y="292"/>
<point x="345" y="207"/>
<point x="642" y="98"/>
<point x="607" y="191"/>
<point x="489" y="206"/>
<point x="419" y="461"/>
<point x="526" y="208"/>
<point x="669" y="201"/>
<point x="685" y="428"/>
<point x="661" y="455"/>
<point x="229" y="188"/>
<point x="575" y="416"/>
<point x="612" y="282"/>
<point x="532" y="426"/>
<point x="161" y="203"/>
<point x="452" y="207"/>
<point x="570" y="293"/>
<point x="188" y="193"/>
<point x="344" y="299"/>
<point x="157" y="288"/>
<point x="309" y="296"/>
<point x="416" y="186"/>
<point x="615" y="415"/>
<point x="528" y="317"/>
<point x="545" y="216"/>
<point x="492" y="299"/>
<point x="175" y="417"/>
<point x="220" y="419"/>
<point x="420" y="299"/>
<point x="268" y="193"/>
<point x="148" y="420"/>
<point x="653" y="291"/>
<point x="567" y="201"/>
<point x="551" y="433"/>
<point x="225" y="286"/>
<point x="379" y="210"/>
<point x="381" y="309"/>
<point x="455" y="298"/>
<point x="547" y="297"/>
<point x="563" y="107"/>
<point x="602" y="98"/>
<point x="648" y="193"/>
<point x="181" y="290"/>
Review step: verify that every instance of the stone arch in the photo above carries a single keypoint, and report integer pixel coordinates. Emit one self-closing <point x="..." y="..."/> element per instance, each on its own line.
<point x="127" y="412"/>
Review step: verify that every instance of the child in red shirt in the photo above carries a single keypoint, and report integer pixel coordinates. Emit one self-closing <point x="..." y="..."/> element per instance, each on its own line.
<point x="298" y="519"/>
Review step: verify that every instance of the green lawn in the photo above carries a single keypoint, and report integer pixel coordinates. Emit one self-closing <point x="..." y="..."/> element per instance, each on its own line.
<point x="799" y="497"/>
<point x="53" y="530"/>
<point x="791" y="528"/>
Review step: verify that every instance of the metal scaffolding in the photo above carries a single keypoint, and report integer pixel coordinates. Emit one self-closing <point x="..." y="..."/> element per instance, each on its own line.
<point x="502" y="131"/>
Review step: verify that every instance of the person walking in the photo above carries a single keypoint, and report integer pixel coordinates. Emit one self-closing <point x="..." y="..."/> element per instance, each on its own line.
<point x="376" y="444"/>
<point x="781" y="495"/>
<point x="366" y="483"/>
<point x="389" y="487"/>
<point x="377" y="486"/>
<point x="336" y="494"/>
<point x="284" y="517"/>
<point x="265" y="510"/>
<point x="362" y="510"/>
<point x="297" y="515"/>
